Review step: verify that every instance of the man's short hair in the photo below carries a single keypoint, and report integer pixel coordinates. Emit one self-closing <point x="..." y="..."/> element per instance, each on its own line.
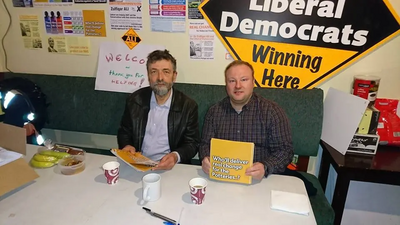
<point x="158" y="55"/>
<point x="238" y="63"/>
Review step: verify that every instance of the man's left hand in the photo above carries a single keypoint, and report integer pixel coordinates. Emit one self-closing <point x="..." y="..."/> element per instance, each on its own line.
<point x="257" y="171"/>
<point x="167" y="162"/>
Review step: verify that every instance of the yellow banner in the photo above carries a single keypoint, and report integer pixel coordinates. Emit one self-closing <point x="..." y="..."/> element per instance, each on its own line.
<point x="300" y="44"/>
<point x="284" y="65"/>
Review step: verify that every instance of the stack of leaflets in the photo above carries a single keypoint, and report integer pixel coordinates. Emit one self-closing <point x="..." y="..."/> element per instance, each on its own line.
<point x="8" y="156"/>
<point x="135" y="160"/>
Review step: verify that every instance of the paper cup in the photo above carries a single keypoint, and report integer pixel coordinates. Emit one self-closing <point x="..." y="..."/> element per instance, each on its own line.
<point x="111" y="172"/>
<point x="198" y="190"/>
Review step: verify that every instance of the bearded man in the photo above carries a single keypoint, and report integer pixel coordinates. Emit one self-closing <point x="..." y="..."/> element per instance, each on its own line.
<point x="160" y="121"/>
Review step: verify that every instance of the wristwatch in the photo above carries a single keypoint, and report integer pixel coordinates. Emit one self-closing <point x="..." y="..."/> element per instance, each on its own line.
<point x="265" y="169"/>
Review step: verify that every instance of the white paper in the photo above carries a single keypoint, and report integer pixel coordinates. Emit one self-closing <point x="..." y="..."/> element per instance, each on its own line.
<point x="290" y="202"/>
<point x="121" y="69"/>
<point x="342" y="115"/>
<point x="168" y="15"/>
<point x="202" y="40"/>
<point x="126" y="14"/>
<point x="8" y="156"/>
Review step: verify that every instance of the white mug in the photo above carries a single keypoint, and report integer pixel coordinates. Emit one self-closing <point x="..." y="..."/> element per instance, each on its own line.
<point x="151" y="187"/>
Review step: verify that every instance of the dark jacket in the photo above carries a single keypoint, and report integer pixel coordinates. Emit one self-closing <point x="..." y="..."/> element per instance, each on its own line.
<point x="183" y="125"/>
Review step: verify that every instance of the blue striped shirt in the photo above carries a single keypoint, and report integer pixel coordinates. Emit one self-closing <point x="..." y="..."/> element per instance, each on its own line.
<point x="155" y="142"/>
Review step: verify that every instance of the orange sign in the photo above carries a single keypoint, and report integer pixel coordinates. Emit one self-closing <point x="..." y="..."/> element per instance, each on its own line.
<point x="300" y="44"/>
<point x="131" y="38"/>
<point x="94" y="23"/>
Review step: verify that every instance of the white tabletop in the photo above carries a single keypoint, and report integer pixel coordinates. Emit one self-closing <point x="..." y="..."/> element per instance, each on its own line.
<point x="86" y="199"/>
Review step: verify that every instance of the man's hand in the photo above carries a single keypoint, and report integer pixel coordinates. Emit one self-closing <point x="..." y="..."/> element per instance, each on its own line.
<point x="257" y="171"/>
<point x="167" y="162"/>
<point x="205" y="165"/>
<point x="129" y="148"/>
<point x="30" y="129"/>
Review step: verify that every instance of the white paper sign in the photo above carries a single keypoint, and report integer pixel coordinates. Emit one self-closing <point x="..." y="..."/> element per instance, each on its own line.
<point x="202" y="40"/>
<point x="121" y="69"/>
<point x="342" y="114"/>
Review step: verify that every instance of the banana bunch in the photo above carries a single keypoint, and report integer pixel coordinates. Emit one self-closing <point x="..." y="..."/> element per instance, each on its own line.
<point x="48" y="158"/>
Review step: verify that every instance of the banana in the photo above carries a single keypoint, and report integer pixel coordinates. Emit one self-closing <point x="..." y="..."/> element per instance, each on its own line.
<point x="39" y="164"/>
<point x="59" y="155"/>
<point x="45" y="158"/>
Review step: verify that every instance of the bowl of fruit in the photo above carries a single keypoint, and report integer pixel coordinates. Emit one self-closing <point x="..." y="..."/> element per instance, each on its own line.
<point x="72" y="164"/>
<point x="46" y="158"/>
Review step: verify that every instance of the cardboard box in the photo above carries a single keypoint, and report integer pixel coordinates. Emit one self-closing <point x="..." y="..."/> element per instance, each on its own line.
<point x="364" y="143"/>
<point x="18" y="172"/>
<point x="369" y="121"/>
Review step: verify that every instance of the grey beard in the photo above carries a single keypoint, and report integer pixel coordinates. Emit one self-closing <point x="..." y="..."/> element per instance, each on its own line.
<point x="161" y="91"/>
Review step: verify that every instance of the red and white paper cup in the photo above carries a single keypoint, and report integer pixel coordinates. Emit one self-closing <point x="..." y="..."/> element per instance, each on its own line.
<point x="198" y="187"/>
<point x="111" y="172"/>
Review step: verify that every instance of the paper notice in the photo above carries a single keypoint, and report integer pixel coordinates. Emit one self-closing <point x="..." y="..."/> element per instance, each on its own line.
<point x="193" y="9"/>
<point x="68" y="45"/>
<point x="52" y="3"/>
<point x="75" y="22"/>
<point x="29" y="26"/>
<point x="168" y="15"/>
<point x="202" y="39"/>
<point x="126" y="14"/>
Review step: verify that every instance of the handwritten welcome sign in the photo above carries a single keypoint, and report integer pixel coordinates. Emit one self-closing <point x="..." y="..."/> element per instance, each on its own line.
<point x="121" y="69"/>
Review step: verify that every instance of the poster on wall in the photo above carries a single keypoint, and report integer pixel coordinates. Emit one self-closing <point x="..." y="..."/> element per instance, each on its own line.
<point x="75" y="22"/>
<point x="202" y="40"/>
<point x="90" y="1"/>
<point x="125" y="14"/>
<point x="193" y="9"/>
<point x="131" y="38"/>
<point x="22" y="3"/>
<point x="29" y="27"/>
<point x="94" y="23"/>
<point x="300" y="44"/>
<point x="167" y="15"/>
<point x="68" y="45"/>
<point x="121" y="69"/>
<point x="52" y="3"/>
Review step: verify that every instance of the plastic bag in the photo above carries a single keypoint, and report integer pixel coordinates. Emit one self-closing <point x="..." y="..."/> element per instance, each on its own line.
<point x="389" y="121"/>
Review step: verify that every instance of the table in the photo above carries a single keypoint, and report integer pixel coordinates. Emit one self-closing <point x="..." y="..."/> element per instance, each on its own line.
<point x="384" y="167"/>
<point x="86" y="199"/>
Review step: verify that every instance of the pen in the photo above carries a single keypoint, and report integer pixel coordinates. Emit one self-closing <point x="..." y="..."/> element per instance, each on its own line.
<point x="180" y="215"/>
<point x="159" y="215"/>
